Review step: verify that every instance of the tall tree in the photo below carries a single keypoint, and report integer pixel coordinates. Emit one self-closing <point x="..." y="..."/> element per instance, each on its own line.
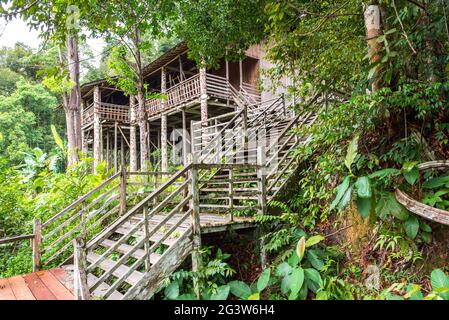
<point x="131" y="25"/>
<point x="214" y="29"/>
<point x="58" y="21"/>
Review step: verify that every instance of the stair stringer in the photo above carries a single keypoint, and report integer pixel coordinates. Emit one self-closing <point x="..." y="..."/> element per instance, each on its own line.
<point x="170" y="260"/>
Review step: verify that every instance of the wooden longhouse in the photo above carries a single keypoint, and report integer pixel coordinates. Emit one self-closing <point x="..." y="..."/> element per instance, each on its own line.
<point x="110" y="123"/>
<point x="121" y="239"/>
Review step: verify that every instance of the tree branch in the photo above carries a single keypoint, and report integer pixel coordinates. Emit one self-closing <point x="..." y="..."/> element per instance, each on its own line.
<point x="402" y="27"/>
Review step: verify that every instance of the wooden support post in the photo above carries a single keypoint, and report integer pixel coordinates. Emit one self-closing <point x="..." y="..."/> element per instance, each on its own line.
<point x="37" y="230"/>
<point x="83" y="133"/>
<point x="147" y="238"/>
<point x="122" y="152"/>
<point x="181" y="71"/>
<point x="164" y="147"/>
<point x="132" y="135"/>
<point x="284" y="109"/>
<point x="227" y="81"/>
<point x="108" y="153"/>
<point x="97" y="128"/>
<point x="196" y="228"/>
<point x="231" y="194"/>
<point x="164" y="153"/>
<point x="203" y="94"/>
<point x="81" y="288"/>
<point x="115" y="147"/>
<point x="84" y="218"/>
<point x="148" y="140"/>
<point x="122" y="190"/>
<point x="262" y="196"/>
<point x="240" y="74"/>
<point x="84" y="143"/>
<point x="245" y="134"/>
<point x="185" y="136"/>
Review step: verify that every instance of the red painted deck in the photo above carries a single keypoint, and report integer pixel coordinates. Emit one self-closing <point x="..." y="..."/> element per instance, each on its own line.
<point x="51" y="284"/>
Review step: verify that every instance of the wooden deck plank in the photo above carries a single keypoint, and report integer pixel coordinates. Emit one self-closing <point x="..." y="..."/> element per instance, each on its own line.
<point x="6" y="292"/>
<point x="63" y="277"/>
<point x="56" y="287"/>
<point x="38" y="288"/>
<point x="20" y="288"/>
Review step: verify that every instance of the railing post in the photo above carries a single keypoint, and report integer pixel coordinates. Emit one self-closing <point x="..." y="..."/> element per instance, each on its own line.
<point x="245" y="132"/>
<point x="37" y="230"/>
<point x="284" y="109"/>
<point x="231" y="194"/>
<point x="97" y="127"/>
<point x="262" y="195"/>
<point x="147" y="239"/>
<point x="83" y="220"/>
<point x="81" y="288"/>
<point x="196" y="229"/>
<point x="122" y="190"/>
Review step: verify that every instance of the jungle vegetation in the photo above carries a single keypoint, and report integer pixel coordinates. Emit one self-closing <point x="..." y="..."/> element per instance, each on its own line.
<point x="341" y="234"/>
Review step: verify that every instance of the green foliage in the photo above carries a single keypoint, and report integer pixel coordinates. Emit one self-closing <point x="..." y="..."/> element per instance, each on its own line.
<point x="214" y="29"/>
<point x="36" y="109"/>
<point x="439" y="282"/>
<point x="36" y="191"/>
<point x="211" y="279"/>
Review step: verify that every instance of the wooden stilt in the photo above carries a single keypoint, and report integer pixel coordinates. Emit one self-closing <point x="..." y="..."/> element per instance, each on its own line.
<point x="196" y="229"/>
<point x="262" y="184"/>
<point x="97" y="133"/>
<point x="115" y="147"/>
<point x="164" y="147"/>
<point x="132" y="135"/>
<point x="185" y="138"/>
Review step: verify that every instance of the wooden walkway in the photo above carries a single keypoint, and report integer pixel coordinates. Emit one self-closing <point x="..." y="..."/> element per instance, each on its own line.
<point x="54" y="284"/>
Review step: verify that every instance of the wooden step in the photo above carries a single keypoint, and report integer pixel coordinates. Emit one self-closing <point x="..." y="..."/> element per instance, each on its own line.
<point x="154" y="238"/>
<point x="107" y="264"/>
<point x="125" y="248"/>
<point x="102" y="288"/>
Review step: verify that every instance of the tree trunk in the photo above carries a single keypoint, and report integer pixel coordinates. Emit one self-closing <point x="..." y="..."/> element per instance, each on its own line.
<point x="142" y="128"/>
<point x="74" y="101"/>
<point x="70" y="123"/>
<point x="372" y="16"/>
<point x="132" y="135"/>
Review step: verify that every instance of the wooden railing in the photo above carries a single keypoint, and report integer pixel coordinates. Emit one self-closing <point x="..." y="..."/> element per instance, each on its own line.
<point x="250" y="92"/>
<point x="88" y="215"/>
<point x="233" y="138"/>
<point x="88" y="114"/>
<point x="177" y="216"/>
<point x="216" y="87"/>
<point x="168" y="199"/>
<point x="114" y="112"/>
<point x="181" y="93"/>
<point x="107" y="111"/>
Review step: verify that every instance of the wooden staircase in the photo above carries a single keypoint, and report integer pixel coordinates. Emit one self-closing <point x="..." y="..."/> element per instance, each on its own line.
<point x="135" y="229"/>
